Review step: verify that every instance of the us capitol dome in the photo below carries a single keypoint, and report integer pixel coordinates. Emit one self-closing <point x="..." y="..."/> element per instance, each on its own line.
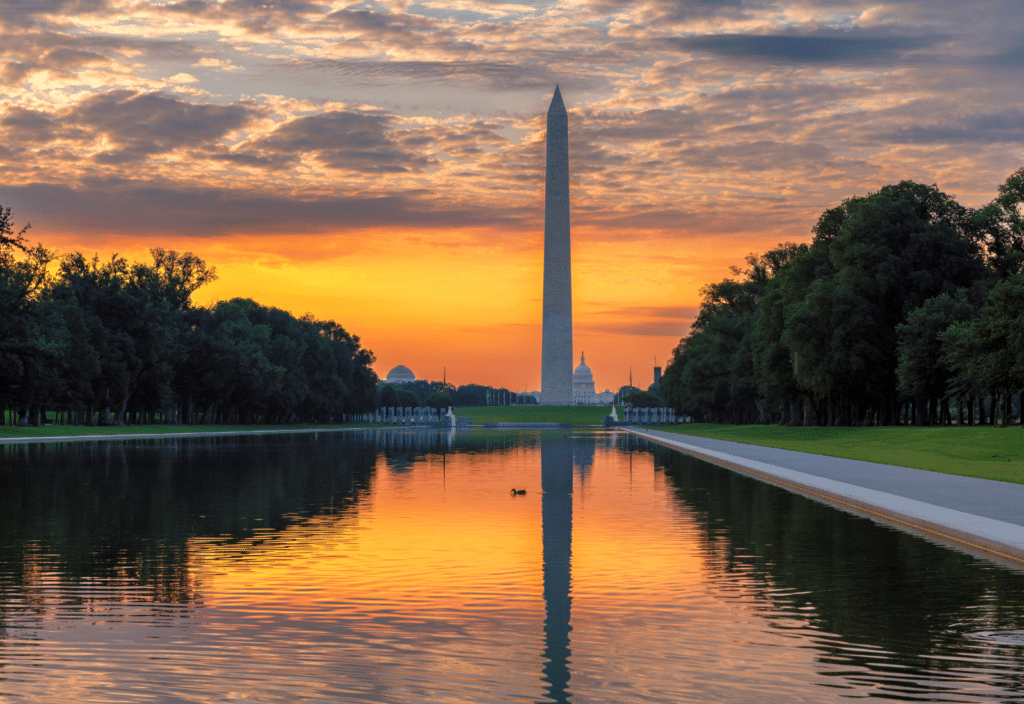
<point x="401" y="375"/>
<point x="583" y="385"/>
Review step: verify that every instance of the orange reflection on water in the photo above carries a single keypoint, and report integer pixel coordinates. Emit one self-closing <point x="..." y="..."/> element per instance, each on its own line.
<point x="445" y="532"/>
<point x="446" y="535"/>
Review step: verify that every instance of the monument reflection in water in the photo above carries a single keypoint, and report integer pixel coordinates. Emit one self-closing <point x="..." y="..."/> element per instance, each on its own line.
<point x="556" y="513"/>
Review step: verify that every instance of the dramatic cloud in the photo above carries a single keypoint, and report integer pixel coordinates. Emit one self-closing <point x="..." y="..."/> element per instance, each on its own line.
<point x="141" y="125"/>
<point x="29" y="126"/>
<point x="27" y="13"/>
<point x="1014" y="58"/>
<point x="110" y="208"/>
<point x="342" y="140"/>
<point x="790" y="49"/>
<point x="983" y="128"/>
<point x="487" y="75"/>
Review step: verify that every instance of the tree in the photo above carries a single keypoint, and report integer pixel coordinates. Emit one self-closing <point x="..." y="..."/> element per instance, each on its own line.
<point x="439" y="401"/>
<point x="713" y="373"/>
<point x="387" y="397"/>
<point x="124" y="339"/>
<point x="775" y="363"/>
<point x="33" y="338"/>
<point x="1002" y="222"/>
<point x="471" y="395"/>
<point x="987" y="353"/>
<point x="175" y="277"/>
<point x="8" y="238"/>
<point x="135" y="332"/>
<point x="644" y="399"/>
<point x="887" y="257"/>
<point x="406" y="398"/>
<point x="922" y="371"/>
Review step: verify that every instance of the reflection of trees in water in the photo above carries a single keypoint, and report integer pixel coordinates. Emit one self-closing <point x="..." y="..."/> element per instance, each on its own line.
<point x="627" y="442"/>
<point x="867" y="583"/>
<point x="102" y="510"/>
<point x="403" y="447"/>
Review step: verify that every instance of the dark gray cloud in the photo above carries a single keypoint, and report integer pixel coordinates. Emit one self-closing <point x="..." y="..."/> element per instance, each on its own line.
<point x="155" y="49"/>
<point x="257" y="17"/>
<point x="985" y="128"/>
<point x="118" y="207"/>
<point x="643" y="125"/>
<point x="60" y="61"/>
<point x="795" y="49"/>
<point x="382" y="25"/>
<point x="1014" y="58"/>
<point x="466" y="142"/>
<point x="26" y="13"/>
<point x="142" y="124"/>
<point x="760" y="155"/>
<point x="675" y="11"/>
<point x="269" y="162"/>
<point x="137" y="125"/>
<point x="28" y="126"/>
<point x="342" y="140"/>
<point x="498" y="76"/>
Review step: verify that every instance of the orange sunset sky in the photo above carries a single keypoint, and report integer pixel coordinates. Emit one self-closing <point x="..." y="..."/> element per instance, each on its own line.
<point x="381" y="163"/>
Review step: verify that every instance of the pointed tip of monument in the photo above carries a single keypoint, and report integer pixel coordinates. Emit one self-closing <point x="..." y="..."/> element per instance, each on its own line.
<point x="556" y="101"/>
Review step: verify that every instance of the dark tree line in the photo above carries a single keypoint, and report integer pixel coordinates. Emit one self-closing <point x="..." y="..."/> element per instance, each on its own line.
<point x="413" y="394"/>
<point x="477" y="395"/>
<point x="906" y="307"/>
<point x="115" y="342"/>
<point x="438" y="394"/>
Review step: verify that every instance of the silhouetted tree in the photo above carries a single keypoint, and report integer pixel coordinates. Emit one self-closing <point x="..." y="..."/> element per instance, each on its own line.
<point x="387" y="397"/>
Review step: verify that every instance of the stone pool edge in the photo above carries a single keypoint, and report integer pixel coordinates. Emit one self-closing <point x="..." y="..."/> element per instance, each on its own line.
<point x="984" y="537"/>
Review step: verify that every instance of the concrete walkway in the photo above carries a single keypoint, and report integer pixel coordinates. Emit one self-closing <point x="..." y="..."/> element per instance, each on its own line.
<point x="980" y="515"/>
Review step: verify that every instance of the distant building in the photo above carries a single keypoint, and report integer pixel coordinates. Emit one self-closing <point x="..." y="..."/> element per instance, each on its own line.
<point x="606" y="397"/>
<point x="657" y="375"/>
<point x="401" y="375"/>
<point x="583" y="385"/>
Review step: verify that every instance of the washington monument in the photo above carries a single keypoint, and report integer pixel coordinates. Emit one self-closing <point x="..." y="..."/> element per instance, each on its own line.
<point x="556" y="346"/>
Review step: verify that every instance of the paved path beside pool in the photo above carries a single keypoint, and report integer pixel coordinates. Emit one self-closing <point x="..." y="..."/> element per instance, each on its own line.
<point x="982" y="514"/>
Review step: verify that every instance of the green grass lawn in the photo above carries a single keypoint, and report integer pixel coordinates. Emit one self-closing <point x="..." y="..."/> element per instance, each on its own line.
<point x="986" y="452"/>
<point x="577" y="415"/>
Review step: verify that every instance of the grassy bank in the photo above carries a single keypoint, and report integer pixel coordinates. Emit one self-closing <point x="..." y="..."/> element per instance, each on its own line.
<point x="577" y="415"/>
<point x="989" y="453"/>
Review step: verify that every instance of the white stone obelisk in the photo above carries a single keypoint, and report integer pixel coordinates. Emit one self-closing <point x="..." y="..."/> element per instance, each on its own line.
<point x="556" y="345"/>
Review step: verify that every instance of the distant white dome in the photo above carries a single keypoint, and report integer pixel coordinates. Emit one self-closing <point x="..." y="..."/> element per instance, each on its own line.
<point x="583" y="384"/>
<point x="401" y="375"/>
<point x="582" y="369"/>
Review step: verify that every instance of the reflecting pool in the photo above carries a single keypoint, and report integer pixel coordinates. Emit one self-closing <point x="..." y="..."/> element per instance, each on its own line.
<point x="400" y="566"/>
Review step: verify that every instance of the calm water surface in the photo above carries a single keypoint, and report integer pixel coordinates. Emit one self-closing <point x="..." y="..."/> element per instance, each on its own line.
<point x="394" y="566"/>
